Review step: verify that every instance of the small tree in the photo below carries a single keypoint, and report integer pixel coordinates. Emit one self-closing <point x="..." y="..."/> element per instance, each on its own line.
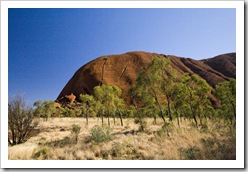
<point x="194" y="96"/>
<point x="21" y="120"/>
<point x="226" y="92"/>
<point x="109" y="98"/>
<point x="155" y="85"/>
<point x="75" y="131"/>
<point x="140" y="119"/>
<point x="88" y="103"/>
<point x="67" y="112"/>
<point x="45" y="109"/>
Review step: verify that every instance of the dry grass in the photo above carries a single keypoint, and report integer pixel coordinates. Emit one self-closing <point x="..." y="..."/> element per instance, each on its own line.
<point x="55" y="141"/>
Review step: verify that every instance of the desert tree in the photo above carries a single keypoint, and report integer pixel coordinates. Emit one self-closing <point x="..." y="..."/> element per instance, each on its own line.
<point x="168" y="85"/>
<point x="130" y="111"/>
<point x="67" y="112"/>
<point x="99" y="94"/>
<point x="45" y="109"/>
<point x="226" y="92"/>
<point x="178" y="106"/>
<point x="155" y="84"/>
<point x="75" y="130"/>
<point x="88" y="104"/>
<point x="109" y="98"/>
<point x="21" y="120"/>
<point x="194" y="96"/>
<point x="120" y="106"/>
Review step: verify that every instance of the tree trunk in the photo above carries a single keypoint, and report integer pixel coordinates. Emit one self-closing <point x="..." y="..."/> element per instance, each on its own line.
<point x="161" y="114"/>
<point x="169" y="110"/>
<point x="87" y="121"/>
<point x="196" y="123"/>
<point x="86" y="115"/>
<point x="178" y="122"/>
<point x="76" y="138"/>
<point x="108" y="120"/>
<point x="199" y="114"/>
<point x="194" y="117"/>
<point x="102" y="118"/>
<point x="121" y="119"/>
<point x="155" y="119"/>
<point x="13" y="137"/>
<point x="114" y="118"/>
<point x="160" y="108"/>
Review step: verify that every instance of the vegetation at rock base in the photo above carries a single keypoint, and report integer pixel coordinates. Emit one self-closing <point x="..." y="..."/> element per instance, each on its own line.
<point x="170" y="112"/>
<point x="226" y="92"/>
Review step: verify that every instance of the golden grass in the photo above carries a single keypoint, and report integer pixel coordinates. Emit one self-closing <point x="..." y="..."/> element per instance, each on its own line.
<point x="55" y="141"/>
<point x="22" y="151"/>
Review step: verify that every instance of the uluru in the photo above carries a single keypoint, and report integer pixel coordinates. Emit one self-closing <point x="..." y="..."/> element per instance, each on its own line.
<point x="122" y="70"/>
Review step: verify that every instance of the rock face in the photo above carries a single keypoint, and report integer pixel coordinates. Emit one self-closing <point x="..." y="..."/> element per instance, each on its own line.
<point x="122" y="71"/>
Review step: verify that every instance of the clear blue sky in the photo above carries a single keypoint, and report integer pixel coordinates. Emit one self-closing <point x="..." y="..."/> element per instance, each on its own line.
<point x="47" y="46"/>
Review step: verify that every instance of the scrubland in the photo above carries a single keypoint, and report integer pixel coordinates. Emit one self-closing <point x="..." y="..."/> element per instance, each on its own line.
<point x="54" y="140"/>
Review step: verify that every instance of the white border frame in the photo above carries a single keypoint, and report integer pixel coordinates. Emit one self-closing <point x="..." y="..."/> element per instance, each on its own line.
<point x="238" y="163"/>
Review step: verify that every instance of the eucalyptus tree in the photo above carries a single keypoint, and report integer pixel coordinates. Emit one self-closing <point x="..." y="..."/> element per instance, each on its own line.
<point x="148" y="104"/>
<point x="171" y="79"/>
<point x="226" y="92"/>
<point x="88" y="103"/>
<point x="38" y="108"/>
<point x="155" y="85"/>
<point x="130" y="111"/>
<point x="45" y="109"/>
<point x="178" y="103"/>
<point x="194" y="96"/>
<point x="67" y="112"/>
<point x="120" y="106"/>
<point x="109" y="98"/>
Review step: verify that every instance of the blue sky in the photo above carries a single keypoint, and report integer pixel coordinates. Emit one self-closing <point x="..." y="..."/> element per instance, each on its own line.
<point x="47" y="46"/>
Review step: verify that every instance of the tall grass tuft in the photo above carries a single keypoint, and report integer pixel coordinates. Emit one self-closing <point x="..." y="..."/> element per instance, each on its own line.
<point x="101" y="134"/>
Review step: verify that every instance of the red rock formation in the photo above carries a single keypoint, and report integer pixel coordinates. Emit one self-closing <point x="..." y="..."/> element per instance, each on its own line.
<point x="71" y="98"/>
<point x="58" y="106"/>
<point x="225" y="64"/>
<point x="122" y="71"/>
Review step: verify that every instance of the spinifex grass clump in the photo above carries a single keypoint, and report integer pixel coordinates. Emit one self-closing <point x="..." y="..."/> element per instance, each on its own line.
<point x="42" y="153"/>
<point x="101" y="134"/>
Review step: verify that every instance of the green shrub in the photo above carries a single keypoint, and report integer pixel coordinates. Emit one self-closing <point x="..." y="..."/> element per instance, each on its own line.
<point x="68" y="112"/>
<point x="59" y="143"/>
<point x="101" y="134"/>
<point x="117" y="149"/>
<point x="165" y="129"/>
<point x="75" y="131"/>
<point x="191" y="153"/>
<point x="41" y="153"/>
<point x="204" y="128"/>
<point x="65" y="141"/>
